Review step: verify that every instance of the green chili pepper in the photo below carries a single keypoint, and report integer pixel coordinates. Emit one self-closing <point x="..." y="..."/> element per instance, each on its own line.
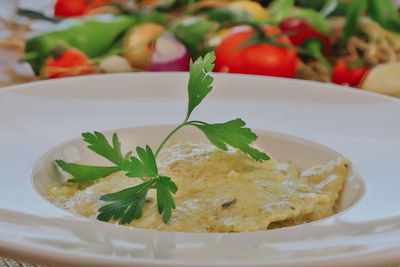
<point x="93" y="36"/>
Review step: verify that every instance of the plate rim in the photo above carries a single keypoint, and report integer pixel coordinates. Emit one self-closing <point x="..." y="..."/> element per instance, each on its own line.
<point x="266" y="79"/>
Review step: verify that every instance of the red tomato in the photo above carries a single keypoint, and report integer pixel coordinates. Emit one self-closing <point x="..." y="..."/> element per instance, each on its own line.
<point x="342" y="74"/>
<point x="70" y="8"/>
<point x="71" y="62"/>
<point x="260" y="59"/>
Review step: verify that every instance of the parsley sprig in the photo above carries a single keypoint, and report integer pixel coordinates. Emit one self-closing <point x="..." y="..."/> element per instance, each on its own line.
<point x="127" y="205"/>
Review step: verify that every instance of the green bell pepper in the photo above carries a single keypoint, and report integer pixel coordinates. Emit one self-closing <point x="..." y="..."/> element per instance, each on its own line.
<point x="93" y="36"/>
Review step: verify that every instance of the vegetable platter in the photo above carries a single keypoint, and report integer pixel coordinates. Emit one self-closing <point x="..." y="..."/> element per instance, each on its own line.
<point x="354" y="43"/>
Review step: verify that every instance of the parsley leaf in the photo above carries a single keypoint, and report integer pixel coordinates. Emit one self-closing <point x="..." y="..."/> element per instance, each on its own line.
<point x="86" y="172"/>
<point x="126" y="204"/>
<point x="232" y="133"/>
<point x="146" y="166"/>
<point x="199" y="80"/>
<point x="99" y="144"/>
<point x="165" y="201"/>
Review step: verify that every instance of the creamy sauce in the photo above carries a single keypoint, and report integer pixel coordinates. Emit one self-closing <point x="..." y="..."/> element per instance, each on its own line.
<point x="221" y="191"/>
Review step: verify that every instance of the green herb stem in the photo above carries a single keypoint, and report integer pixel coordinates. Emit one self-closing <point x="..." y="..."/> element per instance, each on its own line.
<point x="169" y="136"/>
<point x="175" y="130"/>
<point x="315" y="47"/>
<point x="200" y="122"/>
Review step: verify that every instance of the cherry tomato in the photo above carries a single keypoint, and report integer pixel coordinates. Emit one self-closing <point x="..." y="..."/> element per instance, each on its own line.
<point x="70" y="8"/>
<point x="70" y="62"/>
<point x="342" y="74"/>
<point x="261" y="59"/>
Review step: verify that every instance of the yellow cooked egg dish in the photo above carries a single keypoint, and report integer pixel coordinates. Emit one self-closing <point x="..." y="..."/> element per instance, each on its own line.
<point x="220" y="191"/>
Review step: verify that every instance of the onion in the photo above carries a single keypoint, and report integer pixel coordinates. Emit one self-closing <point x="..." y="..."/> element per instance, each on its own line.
<point x="384" y="79"/>
<point x="139" y="40"/>
<point x="114" y="64"/>
<point x="169" y="55"/>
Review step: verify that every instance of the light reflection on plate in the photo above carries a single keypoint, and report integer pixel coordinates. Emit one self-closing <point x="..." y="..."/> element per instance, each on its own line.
<point x="38" y="116"/>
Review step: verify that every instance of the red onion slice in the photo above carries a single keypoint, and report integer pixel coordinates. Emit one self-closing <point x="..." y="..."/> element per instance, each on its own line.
<point x="169" y="55"/>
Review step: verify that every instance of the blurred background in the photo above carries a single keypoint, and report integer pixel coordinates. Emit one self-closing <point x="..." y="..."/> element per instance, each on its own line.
<point x="353" y="43"/>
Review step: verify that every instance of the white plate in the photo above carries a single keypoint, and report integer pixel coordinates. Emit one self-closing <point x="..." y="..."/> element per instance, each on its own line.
<point x="36" y="117"/>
